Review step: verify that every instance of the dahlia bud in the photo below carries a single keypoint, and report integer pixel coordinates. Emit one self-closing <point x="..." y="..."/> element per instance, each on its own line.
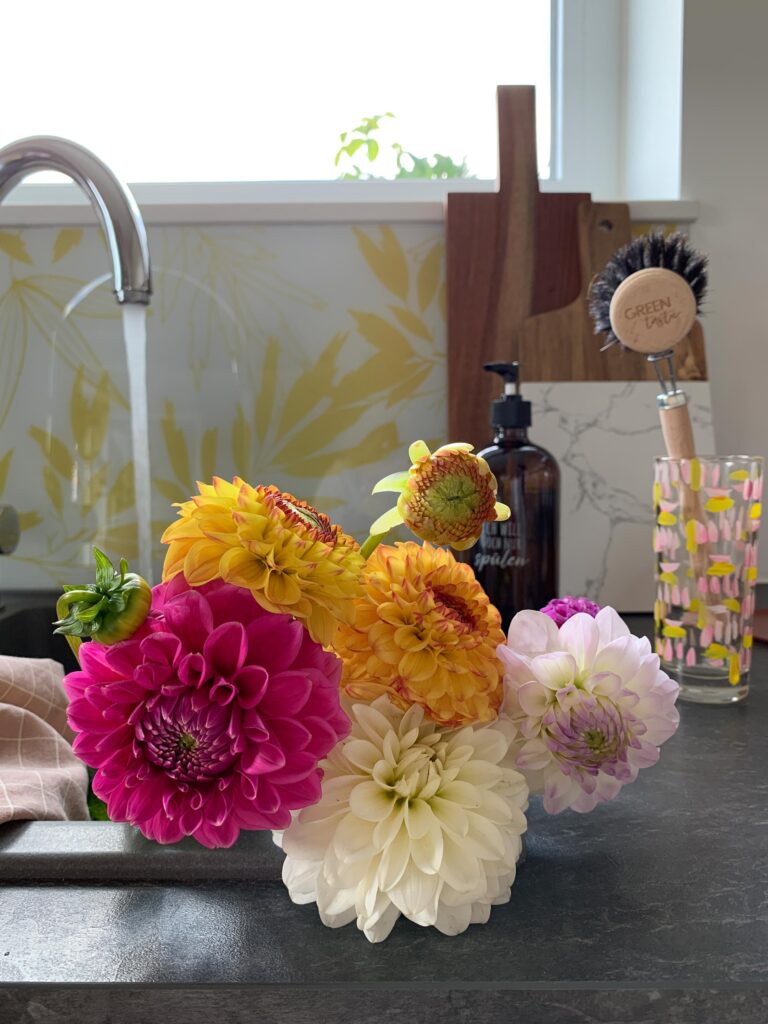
<point x="444" y="497"/>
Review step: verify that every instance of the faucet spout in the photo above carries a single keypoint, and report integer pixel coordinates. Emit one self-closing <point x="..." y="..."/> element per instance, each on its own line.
<point x="115" y="206"/>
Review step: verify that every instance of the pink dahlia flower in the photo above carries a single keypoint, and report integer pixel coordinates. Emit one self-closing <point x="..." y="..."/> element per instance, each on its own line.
<point x="560" y="609"/>
<point x="590" y="703"/>
<point x="211" y="719"/>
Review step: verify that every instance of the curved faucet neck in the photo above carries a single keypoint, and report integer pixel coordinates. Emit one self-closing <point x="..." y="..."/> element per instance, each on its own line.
<point x="115" y="206"/>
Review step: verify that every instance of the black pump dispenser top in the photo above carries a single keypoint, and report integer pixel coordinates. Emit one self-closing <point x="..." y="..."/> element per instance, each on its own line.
<point x="511" y="410"/>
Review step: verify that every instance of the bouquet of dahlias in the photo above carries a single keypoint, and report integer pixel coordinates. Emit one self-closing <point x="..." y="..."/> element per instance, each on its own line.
<point x="363" y="703"/>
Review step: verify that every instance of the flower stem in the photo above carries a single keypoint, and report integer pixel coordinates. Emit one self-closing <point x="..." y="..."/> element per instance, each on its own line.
<point x="372" y="543"/>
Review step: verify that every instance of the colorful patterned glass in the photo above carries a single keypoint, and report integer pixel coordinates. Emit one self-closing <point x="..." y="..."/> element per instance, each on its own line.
<point x="705" y="540"/>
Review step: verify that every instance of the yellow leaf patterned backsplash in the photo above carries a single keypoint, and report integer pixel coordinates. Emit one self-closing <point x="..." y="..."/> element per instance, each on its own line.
<point x="303" y="355"/>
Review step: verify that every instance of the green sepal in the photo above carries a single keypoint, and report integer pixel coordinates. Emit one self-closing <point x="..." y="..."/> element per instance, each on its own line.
<point x="105" y="571"/>
<point x="109" y="610"/>
<point x="393" y="482"/>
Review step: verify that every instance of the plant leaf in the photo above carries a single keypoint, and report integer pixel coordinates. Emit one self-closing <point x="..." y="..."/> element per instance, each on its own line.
<point x="176" y="445"/>
<point x="13" y="245"/>
<point x="169" y="489"/>
<point x="429" y="275"/>
<point x="386" y="260"/>
<point x="320" y="432"/>
<point x="29" y="520"/>
<point x="89" y="418"/>
<point x="208" y="450"/>
<point x="13" y="349"/>
<point x="375" y="446"/>
<point x="52" y="488"/>
<point x="266" y="397"/>
<point x="94" y="486"/>
<point x="392" y="482"/>
<point x="387" y="521"/>
<point x="5" y="465"/>
<point x="42" y="299"/>
<point x="241" y="443"/>
<point x="119" y="539"/>
<point x="311" y="385"/>
<point x="55" y="451"/>
<point x="408" y="387"/>
<point x="97" y="809"/>
<point x="66" y="239"/>
<point x="122" y="493"/>
<point x="382" y="335"/>
<point x="411" y="322"/>
<point x="326" y="504"/>
<point x="376" y="375"/>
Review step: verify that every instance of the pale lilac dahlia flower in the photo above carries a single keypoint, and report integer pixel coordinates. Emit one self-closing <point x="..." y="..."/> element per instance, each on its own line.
<point x="590" y="703"/>
<point x="560" y="609"/>
<point x="211" y="719"/>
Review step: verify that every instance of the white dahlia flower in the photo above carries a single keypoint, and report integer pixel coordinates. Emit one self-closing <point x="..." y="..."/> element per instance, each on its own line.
<point x="590" y="703"/>
<point x="414" y="819"/>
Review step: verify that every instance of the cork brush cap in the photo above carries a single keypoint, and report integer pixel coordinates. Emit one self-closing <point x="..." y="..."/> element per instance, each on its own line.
<point x="652" y="310"/>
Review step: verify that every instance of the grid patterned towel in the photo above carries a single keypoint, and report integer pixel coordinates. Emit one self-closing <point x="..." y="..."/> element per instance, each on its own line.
<point x="40" y="777"/>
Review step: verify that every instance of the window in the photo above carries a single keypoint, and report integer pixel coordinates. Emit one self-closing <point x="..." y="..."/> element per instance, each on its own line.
<point x="243" y="90"/>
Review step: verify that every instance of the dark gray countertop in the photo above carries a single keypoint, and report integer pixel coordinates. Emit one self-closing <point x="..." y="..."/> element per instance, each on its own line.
<point x="652" y="908"/>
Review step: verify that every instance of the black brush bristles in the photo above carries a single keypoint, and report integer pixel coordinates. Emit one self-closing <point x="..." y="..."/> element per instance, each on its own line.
<point x="672" y="252"/>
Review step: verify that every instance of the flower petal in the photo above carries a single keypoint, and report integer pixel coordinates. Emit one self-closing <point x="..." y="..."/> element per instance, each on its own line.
<point x="559" y="791"/>
<point x="532" y="633"/>
<point x="419" y="450"/>
<point x="386" y="522"/>
<point x="611" y="625"/>
<point x="554" y="670"/>
<point x="503" y="512"/>
<point x="534" y="698"/>
<point x="189" y="617"/>
<point x="580" y="635"/>
<point x="533" y="756"/>
<point x="370" y="802"/>
<point x="286" y="694"/>
<point x="226" y="648"/>
<point x="393" y="482"/>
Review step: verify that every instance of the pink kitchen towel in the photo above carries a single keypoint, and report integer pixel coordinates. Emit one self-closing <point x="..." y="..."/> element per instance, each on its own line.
<point x="40" y="777"/>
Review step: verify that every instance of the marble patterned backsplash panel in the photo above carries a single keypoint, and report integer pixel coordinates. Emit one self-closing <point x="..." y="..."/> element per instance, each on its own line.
<point x="605" y="437"/>
<point x="308" y="356"/>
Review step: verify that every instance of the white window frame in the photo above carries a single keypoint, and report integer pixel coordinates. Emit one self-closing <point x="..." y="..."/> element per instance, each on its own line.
<point x="589" y="151"/>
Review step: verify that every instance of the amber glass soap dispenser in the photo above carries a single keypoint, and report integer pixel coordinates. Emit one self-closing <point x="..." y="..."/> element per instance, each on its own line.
<point x="516" y="561"/>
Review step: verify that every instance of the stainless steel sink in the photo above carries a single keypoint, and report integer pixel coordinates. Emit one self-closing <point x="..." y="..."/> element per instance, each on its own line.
<point x="101" y="851"/>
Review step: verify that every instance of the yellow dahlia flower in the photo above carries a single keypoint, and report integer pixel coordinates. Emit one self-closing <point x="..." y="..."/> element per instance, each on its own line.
<point x="290" y="556"/>
<point x="445" y="497"/>
<point x="426" y="634"/>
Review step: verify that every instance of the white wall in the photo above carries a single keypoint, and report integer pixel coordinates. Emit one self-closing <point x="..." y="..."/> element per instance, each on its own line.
<point x="724" y="166"/>
<point x="651" y="108"/>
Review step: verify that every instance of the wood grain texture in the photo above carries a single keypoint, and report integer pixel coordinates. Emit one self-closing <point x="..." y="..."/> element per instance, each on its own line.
<point x="518" y="266"/>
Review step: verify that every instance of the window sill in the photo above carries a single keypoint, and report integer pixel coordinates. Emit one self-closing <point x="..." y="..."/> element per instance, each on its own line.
<point x="283" y="202"/>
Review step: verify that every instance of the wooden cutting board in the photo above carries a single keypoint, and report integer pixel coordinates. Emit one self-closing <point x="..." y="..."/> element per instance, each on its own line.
<point x="518" y="267"/>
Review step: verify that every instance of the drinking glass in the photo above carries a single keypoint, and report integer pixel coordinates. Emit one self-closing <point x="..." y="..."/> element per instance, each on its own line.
<point x="705" y="540"/>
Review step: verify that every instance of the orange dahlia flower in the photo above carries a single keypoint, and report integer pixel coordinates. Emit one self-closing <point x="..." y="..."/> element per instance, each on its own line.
<point x="425" y="633"/>
<point x="291" y="557"/>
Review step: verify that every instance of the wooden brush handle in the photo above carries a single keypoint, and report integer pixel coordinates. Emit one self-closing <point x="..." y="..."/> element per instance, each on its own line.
<point x="678" y="437"/>
<point x="678" y="432"/>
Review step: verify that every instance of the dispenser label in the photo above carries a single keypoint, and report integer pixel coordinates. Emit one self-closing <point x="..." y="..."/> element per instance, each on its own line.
<point x="500" y="547"/>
